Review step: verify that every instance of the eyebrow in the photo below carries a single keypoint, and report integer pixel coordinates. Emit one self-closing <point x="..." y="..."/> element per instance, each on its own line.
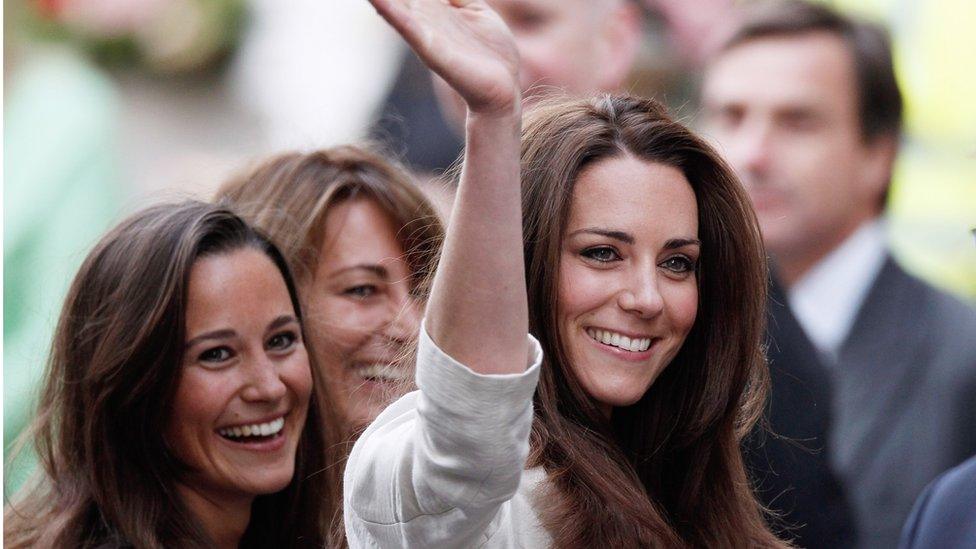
<point x="377" y="270"/>
<point x="281" y="321"/>
<point x="681" y="242"/>
<point x="627" y="238"/>
<point x="616" y="235"/>
<point x="228" y="333"/>
<point x="216" y="334"/>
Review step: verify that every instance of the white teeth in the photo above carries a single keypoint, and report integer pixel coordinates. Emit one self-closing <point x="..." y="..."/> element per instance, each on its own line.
<point x="384" y="372"/>
<point x="635" y="345"/>
<point x="257" y="429"/>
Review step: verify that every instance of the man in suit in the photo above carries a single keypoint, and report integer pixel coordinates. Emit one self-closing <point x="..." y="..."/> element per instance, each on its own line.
<point x="944" y="516"/>
<point x="787" y="458"/>
<point x="805" y="105"/>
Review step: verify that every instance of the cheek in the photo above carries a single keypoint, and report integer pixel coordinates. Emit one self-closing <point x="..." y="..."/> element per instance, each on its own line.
<point x="339" y="325"/>
<point x="581" y="290"/>
<point x="682" y="303"/>
<point x="297" y="375"/>
<point x="194" y="397"/>
<point x="196" y="409"/>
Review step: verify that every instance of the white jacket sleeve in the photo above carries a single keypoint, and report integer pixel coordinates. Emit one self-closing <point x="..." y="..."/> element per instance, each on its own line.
<point x="436" y="467"/>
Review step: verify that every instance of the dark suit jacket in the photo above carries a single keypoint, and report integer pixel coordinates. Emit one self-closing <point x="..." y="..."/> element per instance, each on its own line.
<point x="789" y="464"/>
<point x="904" y="393"/>
<point x="411" y="124"/>
<point x="945" y="516"/>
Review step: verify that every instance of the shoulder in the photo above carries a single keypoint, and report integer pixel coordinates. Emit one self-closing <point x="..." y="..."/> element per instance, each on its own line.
<point x="948" y="321"/>
<point x="950" y="307"/>
<point x="945" y="513"/>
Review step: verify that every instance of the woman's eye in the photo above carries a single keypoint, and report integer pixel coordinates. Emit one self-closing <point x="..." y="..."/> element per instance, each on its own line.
<point x="215" y="355"/>
<point x="360" y="292"/>
<point x="282" y="341"/>
<point x="603" y="254"/>
<point x="679" y="264"/>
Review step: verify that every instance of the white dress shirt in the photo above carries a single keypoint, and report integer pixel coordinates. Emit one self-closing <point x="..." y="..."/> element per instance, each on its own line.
<point x="444" y="466"/>
<point x="827" y="298"/>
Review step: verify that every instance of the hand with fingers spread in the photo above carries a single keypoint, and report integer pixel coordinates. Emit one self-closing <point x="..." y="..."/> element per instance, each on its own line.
<point x="481" y="278"/>
<point x="466" y="43"/>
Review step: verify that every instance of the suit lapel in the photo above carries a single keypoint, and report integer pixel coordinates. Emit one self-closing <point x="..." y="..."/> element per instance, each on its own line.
<point x="875" y="370"/>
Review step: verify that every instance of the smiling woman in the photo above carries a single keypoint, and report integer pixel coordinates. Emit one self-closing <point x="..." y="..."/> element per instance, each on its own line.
<point x="362" y="241"/>
<point x="179" y="407"/>
<point x="646" y="283"/>
<point x="646" y="280"/>
<point x="628" y="294"/>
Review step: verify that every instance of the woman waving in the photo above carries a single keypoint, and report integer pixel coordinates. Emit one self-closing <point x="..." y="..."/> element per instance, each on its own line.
<point x="440" y="467"/>
<point x="647" y="281"/>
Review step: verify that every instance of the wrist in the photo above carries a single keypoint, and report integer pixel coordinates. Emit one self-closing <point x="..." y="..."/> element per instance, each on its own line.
<point x="502" y="102"/>
<point x="509" y="117"/>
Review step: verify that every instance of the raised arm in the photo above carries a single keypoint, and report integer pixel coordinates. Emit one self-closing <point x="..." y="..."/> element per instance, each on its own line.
<point x="477" y="312"/>
<point x="440" y="467"/>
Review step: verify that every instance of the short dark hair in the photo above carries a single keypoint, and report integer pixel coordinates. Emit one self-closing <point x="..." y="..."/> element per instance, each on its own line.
<point x="879" y="97"/>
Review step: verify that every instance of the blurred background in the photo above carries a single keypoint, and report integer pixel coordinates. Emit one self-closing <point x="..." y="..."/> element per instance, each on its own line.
<point x="110" y="105"/>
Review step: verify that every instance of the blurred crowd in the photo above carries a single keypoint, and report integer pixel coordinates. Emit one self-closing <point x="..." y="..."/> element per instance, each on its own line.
<point x="854" y="133"/>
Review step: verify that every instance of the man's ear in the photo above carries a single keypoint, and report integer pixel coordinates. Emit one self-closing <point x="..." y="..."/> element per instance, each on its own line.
<point x="878" y="166"/>
<point x="620" y="39"/>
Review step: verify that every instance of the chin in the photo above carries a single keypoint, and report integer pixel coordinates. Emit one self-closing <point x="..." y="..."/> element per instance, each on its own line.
<point x="618" y="395"/>
<point x="619" y="400"/>
<point x="274" y="482"/>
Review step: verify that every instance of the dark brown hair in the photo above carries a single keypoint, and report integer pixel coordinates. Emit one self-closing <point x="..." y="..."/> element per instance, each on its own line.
<point x="289" y="195"/>
<point x="115" y="365"/>
<point x="878" y="95"/>
<point x="666" y="471"/>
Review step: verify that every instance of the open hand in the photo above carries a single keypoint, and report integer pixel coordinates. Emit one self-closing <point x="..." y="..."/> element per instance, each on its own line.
<point x="466" y="43"/>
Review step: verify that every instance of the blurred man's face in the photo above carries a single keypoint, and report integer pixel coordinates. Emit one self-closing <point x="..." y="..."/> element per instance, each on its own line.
<point x="785" y="114"/>
<point x="559" y="42"/>
<point x="579" y="47"/>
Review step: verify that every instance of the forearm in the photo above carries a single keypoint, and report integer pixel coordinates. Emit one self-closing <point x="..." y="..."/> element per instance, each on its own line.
<point x="478" y="312"/>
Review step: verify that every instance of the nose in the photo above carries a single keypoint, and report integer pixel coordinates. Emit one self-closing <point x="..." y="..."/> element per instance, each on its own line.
<point x="264" y="382"/>
<point x="642" y="296"/>
<point x="753" y="149"/>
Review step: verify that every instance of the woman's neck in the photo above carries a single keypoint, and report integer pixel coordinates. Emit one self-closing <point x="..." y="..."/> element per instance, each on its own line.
<point x="224" y="519"/>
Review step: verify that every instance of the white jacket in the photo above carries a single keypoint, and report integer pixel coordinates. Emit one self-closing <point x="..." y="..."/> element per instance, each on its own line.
<point x="443" y="466"/>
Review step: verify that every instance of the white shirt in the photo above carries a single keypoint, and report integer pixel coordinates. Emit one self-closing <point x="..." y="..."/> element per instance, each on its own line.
<point x="827" y="298"/>
<point x="444" y="466"/>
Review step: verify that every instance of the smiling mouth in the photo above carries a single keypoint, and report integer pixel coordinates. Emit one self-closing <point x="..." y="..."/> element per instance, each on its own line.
<point x="383" y="373"/>
<point x="254" y="432"/>
<point x="620" y="341"/>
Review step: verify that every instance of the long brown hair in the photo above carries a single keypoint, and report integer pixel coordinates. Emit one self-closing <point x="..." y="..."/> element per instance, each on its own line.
<point x="289" y="195"/>
<point x="107" y="475"/>
<point x="667" y="470"/>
